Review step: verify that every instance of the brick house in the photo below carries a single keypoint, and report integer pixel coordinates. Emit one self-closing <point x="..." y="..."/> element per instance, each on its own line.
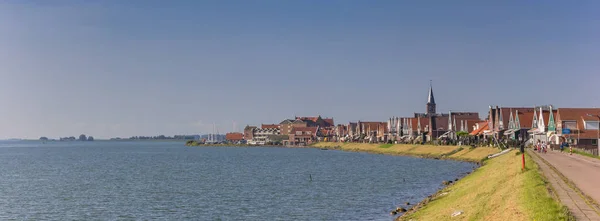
<point x="249" y="132"/>
<point x="574" y="125"/>
<point x="303" y="136"/>
<point x="288" y="124"/>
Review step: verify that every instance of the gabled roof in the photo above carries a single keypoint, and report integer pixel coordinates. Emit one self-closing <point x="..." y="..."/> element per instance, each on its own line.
<point x="287" y="121"/>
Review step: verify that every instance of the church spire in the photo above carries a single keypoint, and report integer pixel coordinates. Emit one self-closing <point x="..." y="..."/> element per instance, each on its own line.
<point x="430" y="99"/>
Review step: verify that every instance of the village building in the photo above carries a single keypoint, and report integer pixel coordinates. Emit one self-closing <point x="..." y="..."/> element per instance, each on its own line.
<point x="234" y="137"/>
<point x="480" y="129"/>
<point x="248" y="132"/>
<point x="317" y="121"/>
<point x="302" y="136"/>
<point x="371" y="131"/>
<point x="340" y="133"/>
<point x="430" y="125"/>
<point x="579" y="126"/>
<point x="512" y="122"/>
<point x="288" y="124"/>
<point x="522" y="123"/>
<point x="261" y="136"/>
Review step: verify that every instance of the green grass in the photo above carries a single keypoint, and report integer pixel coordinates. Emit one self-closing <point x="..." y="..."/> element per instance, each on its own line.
<point x="585" y="154"/>
<point x="536" y="198"/>
<point x="386" y="145"/>
<point x="499" y="190"/>
<point x="431" y="151"/>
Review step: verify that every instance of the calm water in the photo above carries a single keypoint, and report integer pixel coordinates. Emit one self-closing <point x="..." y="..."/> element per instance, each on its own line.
<point x="168" y="181"/>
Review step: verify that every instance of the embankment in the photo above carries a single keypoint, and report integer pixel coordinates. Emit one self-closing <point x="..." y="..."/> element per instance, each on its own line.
<point x="464" y="153"/>
<point x="499" y="190"/>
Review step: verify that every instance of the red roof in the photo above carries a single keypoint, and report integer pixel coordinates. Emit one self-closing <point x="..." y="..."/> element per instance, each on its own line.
<point x="482" y="127"/>
<point x="329" y="121"/>
<point x="234" y="136"/>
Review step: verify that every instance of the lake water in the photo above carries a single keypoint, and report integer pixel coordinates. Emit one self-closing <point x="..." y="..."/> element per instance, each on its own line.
<point x="106" y="180"/>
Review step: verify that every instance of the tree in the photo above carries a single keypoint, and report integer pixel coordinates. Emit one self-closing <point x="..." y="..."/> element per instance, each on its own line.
<point x="90" y="138"/>
<point x="82" y="137"/>
<point x="43" y="138"/>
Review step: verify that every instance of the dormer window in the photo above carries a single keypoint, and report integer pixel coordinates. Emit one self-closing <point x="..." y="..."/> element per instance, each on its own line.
<point x="591" y="125"/>
<point x="570" y="125"/>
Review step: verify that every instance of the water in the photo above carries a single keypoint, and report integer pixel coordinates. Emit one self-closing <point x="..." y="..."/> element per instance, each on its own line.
<point x="105" y="180"/>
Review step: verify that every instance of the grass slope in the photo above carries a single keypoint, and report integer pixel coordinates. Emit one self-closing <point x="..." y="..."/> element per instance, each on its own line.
<point x="448" y="152"/>
<point x="499" y="190"/>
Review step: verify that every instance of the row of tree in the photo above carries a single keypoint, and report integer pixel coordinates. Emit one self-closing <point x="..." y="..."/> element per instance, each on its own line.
<point x="71" y="138"/>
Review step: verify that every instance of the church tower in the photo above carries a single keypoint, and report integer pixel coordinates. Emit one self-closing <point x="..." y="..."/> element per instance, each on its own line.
<point x="430" y="101"/>
<point x="431" y="114"/>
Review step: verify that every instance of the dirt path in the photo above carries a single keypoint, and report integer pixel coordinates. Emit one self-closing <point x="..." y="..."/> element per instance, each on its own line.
<point x="573" y="179"/>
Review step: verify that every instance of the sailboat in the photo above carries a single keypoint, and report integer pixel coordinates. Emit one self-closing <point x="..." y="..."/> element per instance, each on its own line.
<point x="212" y="138"/>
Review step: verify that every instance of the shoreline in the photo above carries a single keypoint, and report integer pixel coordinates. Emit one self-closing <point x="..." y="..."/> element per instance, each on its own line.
<point x="494" y="187"/>
<point x="457" y="153"/>
<point x="405" y="150"/>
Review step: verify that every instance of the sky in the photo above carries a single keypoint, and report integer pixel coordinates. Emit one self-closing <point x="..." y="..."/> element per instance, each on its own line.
<point x="124" y="68"/>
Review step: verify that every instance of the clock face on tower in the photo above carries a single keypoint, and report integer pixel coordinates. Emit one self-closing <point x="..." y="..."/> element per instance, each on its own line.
<point x="431" y="108"/>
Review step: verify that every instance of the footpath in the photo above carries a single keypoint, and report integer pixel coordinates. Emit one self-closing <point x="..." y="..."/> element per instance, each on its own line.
<point x="575" y="181"/>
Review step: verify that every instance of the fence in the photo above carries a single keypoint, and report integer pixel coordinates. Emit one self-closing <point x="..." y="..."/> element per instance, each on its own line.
<point x="593" y="151"/>
<point x="586" y="150"/>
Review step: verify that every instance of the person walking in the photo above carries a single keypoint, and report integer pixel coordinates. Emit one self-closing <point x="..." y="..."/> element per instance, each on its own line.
<point x="544" y="147"/>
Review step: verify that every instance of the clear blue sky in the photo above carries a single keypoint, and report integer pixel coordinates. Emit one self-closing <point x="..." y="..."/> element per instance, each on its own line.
<point x="123" y="68"/>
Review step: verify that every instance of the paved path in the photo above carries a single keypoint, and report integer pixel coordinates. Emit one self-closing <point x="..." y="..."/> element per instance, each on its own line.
<point x="571" y="175"/>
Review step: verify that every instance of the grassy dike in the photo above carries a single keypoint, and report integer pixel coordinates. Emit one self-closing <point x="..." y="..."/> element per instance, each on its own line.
<point x="498" y="190"/>
<point x="429" y="151"/>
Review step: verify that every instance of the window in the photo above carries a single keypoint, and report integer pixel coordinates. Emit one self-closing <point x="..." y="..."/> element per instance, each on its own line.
<point x="591" y="125"/>
<point x="594" y="142"/>
<point x="570" y="125"/>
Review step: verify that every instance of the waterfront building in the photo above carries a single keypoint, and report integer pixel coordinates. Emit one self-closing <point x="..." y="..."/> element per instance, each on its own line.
<point x="287" y="125"/>
<point x="262" y="136"/>
<point x="301" y="136"/>
<point x="234" y="137"/>
<point x="372" y="131"/>
<point x="249" y="132"/>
